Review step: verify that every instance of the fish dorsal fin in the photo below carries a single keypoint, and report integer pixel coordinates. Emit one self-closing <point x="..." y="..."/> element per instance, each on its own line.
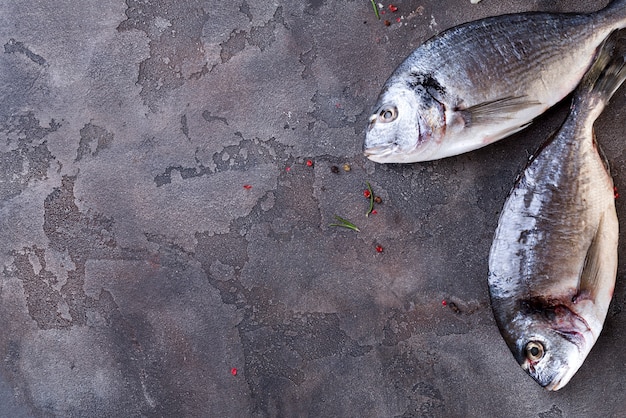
<point x="495" y="111"/>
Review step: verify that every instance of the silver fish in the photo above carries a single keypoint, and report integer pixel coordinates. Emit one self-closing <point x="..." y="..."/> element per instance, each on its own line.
<point x="553" y="260"/>
<point x="481" y="81"/>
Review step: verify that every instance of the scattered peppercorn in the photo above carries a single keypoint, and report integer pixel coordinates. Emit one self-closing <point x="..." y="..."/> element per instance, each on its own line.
<point x="454" y="307"/>
<point x="379" y="249"/>
<point x="393" y="8"/>
<point x="334" y="169"/>
<point x="247" y="186"/>
<point x="346" y="167"/>
<point x="233" y="371"/>
<point x="309" y="163"/>
<point x="387" y="23"/>
<point x="369" y="194"/>
<point x="377" y="199"/>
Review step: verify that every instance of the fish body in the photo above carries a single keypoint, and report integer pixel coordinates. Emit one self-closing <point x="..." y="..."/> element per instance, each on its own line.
<point x="553" y="260"/>
<point x="481" y="81"/>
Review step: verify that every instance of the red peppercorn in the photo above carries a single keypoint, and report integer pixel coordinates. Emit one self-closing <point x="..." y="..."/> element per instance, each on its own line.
<point x="393" y="8"/>
<point x="247" y="186"/>
<point x="309" y="163"/>
<point x="367" y="193"/>
<point x="233" y="371"/>
<point x="374" y="212"/>
<point x="379" y="249"/>
<point x="615" y="194"/>
<point x="444" y="303"/>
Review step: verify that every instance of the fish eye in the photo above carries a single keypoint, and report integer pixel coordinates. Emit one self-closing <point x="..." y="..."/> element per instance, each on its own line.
<point x="534" y="351"/>
<point x="388" y="114"/>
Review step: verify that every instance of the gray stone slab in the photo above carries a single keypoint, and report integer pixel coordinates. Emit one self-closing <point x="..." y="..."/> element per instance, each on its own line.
<point x="160" y="225"/>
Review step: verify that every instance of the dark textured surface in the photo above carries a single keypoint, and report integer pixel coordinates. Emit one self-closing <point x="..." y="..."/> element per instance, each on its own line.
<point x="137" y="271"/>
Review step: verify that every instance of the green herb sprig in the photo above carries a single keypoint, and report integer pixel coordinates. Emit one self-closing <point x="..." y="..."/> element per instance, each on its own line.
<point x="375" y="9"/>
<point x="344" y="223"/>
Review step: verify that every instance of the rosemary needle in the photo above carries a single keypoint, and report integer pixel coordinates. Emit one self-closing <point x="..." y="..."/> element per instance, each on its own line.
<point x="344" y="223"/>
<point x="375" y="9"/>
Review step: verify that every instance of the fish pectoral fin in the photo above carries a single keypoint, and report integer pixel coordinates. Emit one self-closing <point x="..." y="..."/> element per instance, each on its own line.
<point x="594" y="272"/>
<point x="506" y="132"/>
<point x="495" y="111"/>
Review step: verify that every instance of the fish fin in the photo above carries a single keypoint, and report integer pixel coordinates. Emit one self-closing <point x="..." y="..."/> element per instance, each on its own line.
<point x="603" y="157"/>
<point x="616" y="11"/>
<point x="592" y="275"/>
<point x="604" y="77"/>
<point x="495" y="111"/>
<point x="504" y="133"/>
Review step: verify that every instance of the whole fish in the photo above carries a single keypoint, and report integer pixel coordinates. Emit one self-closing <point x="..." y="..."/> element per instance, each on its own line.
<point x="553" y="260"/>
<point x="481" y="81"/>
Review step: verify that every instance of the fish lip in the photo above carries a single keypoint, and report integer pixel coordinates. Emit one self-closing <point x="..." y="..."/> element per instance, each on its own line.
<point x="566" y="373"/>
<point x="555" y="384"/>
<point x="577" y="338"/>
<point x="561" y="379"/>
<point x="379" y="151"/>
<point x="557" y="381"/>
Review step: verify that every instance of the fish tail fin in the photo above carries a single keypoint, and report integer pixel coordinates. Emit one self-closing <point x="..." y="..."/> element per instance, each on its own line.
<point x="604" y="77"/>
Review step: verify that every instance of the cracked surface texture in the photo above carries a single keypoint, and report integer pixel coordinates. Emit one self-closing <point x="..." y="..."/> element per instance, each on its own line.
<point x="160" y="224"/>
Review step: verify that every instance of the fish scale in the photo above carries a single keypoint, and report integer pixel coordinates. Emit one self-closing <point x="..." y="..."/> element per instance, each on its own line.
<point x="498" y="51"/>
<point x="497" y="75"/>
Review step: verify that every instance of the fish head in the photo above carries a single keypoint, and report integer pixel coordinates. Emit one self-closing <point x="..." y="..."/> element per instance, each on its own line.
<point x="550" y="358"/>
<point x="404" y="125"/>
<point x="551" y="345"/>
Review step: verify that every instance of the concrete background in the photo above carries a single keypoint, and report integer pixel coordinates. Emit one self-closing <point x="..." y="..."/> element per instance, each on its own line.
<point x="137" y="271"/>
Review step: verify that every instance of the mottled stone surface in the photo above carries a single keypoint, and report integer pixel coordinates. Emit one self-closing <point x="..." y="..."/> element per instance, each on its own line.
<point x="137" y="270"/>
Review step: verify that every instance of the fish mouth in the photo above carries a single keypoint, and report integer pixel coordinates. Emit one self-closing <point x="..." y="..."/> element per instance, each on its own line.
<point x="562" y="378"/>
<point x="556" y="382"/>
<point x="559" y="381"/>
<point x="570" y="366"/>
<point x="558" y="378"/>
<point x="380" y="151"/>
